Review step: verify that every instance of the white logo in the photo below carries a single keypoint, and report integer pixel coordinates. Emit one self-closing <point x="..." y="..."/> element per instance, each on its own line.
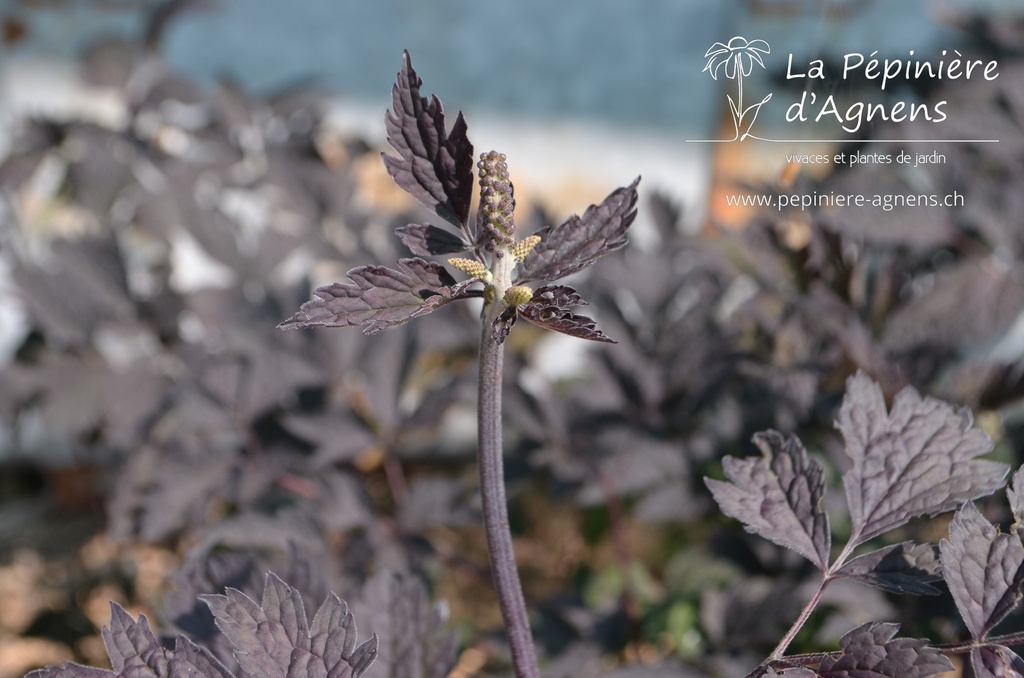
<point x="736" y="60"/>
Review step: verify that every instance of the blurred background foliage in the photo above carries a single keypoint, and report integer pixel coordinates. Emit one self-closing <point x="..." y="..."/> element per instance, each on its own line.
<point x="159" y="438"/>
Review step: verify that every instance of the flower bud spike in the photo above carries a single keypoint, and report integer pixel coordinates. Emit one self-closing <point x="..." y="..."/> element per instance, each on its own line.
<point x="471" y="267"/>
<point x="496" y="200"/>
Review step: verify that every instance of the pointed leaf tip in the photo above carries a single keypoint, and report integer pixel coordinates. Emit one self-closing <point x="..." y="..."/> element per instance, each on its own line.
<point x="435" y="166"/>
<point x="778" y="496"/>
<point x="379" y="297"/>
<point x="579" y="241"/>
<point x="917" y="459"/>
<point x="983" y="568"/>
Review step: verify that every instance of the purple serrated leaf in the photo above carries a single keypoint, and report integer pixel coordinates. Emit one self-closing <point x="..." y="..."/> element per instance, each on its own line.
<point x="983" y="568"/>
<point x="919" y="459"/>
<point x="579" y="241"/>
<point x="425" y="240"/>
<point x="285" y="613"/>
<point x="564" y="321"/>
<point x="333" y="632"/>
<point x="996" y="661"/>
<point x="191" y="660"/>
<point x="778" y="496"/>
<point x="900" y="568"/>
<point x="131" y="643"/>
<point x="274" y="639"/>
<point x="134" y="652"/>
<point x="239" y="619"/>
<point x="870" y="651"/>
<point x="380" y="297"/>
<point x="434" y="167"/>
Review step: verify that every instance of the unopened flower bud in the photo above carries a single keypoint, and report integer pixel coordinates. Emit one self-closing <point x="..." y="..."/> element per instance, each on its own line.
<point x="518" y="294"/>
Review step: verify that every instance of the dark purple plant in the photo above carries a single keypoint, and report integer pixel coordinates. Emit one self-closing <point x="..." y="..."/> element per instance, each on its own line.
<point x="435" y="166"/>
<point x="917" y="458"/>
<point x="271" y="639"/>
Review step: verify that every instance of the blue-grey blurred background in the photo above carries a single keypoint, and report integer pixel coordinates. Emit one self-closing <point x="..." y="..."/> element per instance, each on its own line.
<point x="636" y="62"/>
<point x="601" y="90"/>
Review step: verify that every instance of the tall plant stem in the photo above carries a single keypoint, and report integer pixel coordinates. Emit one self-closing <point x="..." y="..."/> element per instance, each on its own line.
<point x="495" y="508"/>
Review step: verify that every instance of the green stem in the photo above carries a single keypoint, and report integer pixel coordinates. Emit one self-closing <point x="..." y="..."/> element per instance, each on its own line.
<point x="492" y="490"/>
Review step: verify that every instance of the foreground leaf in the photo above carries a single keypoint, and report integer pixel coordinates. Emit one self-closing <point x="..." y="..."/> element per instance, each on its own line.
<point x="579" y="241"/>
<point x="900" y="568"/>
<point x="275" y="640"/>
<point x="434" y="167"/>
<point x="983" y="568"/>
<point x="136" y="653"/>
<point x="778" y="496"/>
<point x="869" y="651"/>
<point x="919" y="459"/>
<point x="380" y="297"/>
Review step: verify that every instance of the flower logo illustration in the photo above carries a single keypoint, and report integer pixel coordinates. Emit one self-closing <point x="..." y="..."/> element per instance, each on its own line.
<point x="736" y="59"/>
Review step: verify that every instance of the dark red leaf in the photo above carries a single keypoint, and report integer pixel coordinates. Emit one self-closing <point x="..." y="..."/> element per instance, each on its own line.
<point x="984" y="569"/>
<point x="380" y="297"/>
<point x="579" y="241"/>
<point x="274" y="639"/>
<point x="871" y="651"/>
<point x="917" y="459"/>
<point x="564" y="321"/>
<point x="435" y="168"/>
<point x="778" y="496"/>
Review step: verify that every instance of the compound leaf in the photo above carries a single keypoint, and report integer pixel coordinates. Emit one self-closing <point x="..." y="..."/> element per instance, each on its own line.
<point x="900" y="568"/>
<point x="579" y="241"/>
<point x="869" y="651"/>
<point x="380" y="297"/>
<point x="435" y="168"/>
<point x="778" y="496"/>
<point x="984" y="569"/>
<point x="919" y="459"/>
<point x="275" y="640"/>
<point x="425" y="240"/>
